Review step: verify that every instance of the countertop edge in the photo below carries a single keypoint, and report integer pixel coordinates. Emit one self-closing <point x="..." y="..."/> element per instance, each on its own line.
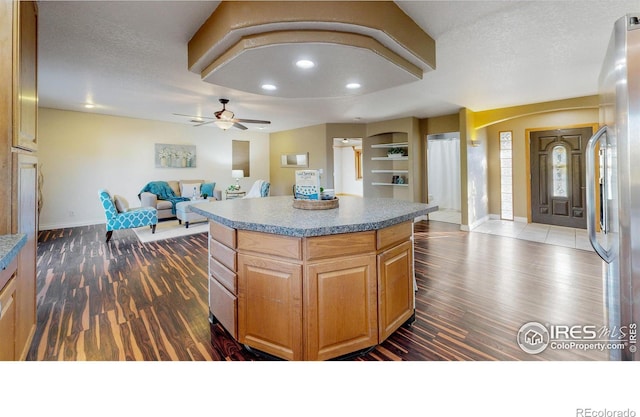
<point x="315" y="231"/>
<point x="10" y="246"/>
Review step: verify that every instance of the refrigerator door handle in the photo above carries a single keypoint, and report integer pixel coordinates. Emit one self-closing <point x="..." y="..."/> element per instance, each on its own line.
<point x="605" y="254"/>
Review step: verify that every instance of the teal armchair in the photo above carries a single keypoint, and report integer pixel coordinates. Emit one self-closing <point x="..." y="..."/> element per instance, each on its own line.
<point x="128" y="219"/>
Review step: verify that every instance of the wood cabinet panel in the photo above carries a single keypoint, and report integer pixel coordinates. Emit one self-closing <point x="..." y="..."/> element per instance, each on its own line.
<point x="7" y="321"/>
<point x="396" y="297"/>
<point x="223" y="234"/>
<point x="224" y="306"/>
<point x="223" y="275"/>
<point x="270" y="305"/>
<point x="332" y="246"/>
<point x="340" y="299"/>
<point x="26" y="175"/>
<point x="7" y="23"/>
<point x="270" y="244"/>
<point x="392" y="235"/>
<point x="27" y="81"/>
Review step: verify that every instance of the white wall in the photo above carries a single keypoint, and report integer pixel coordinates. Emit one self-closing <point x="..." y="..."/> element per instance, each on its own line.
<point x="81" y="153"/>
<point x="345" y="171"/>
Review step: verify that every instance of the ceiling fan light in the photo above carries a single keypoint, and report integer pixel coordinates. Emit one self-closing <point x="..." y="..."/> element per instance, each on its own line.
<point x="226" y="115"/>
<point x="224" y="125"/>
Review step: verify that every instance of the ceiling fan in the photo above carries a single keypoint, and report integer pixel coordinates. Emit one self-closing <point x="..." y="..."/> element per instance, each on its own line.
<point x="224" y="118"/>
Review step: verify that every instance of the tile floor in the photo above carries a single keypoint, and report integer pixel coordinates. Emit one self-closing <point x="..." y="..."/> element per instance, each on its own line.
<point x="543" y="233"/>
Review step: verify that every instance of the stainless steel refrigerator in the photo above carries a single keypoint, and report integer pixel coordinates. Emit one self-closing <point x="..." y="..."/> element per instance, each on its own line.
<point x="613" y="185"/>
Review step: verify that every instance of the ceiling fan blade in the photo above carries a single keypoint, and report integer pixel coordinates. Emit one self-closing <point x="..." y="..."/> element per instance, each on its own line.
<point x="204" y="123"/>
<point x="191" y="116"/>
<point x="239" y="126"/>
<point x="264" y="122"/>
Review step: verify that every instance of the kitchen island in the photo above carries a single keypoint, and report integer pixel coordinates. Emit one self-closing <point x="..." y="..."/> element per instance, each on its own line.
<point x="311" y="284"/>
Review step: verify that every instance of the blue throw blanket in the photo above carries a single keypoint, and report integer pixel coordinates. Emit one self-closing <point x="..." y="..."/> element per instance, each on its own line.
<point x="164" y="192"/>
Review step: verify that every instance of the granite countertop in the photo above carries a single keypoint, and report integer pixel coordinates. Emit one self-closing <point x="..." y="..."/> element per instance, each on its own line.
<point x="277" y="215"/>
<point x="10" y="245"/>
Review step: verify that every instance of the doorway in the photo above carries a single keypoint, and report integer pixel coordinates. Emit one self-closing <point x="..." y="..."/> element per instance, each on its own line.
<point x="347" y="166"/>
<point x="557" y="160"/>
<point x="443" y="176"/>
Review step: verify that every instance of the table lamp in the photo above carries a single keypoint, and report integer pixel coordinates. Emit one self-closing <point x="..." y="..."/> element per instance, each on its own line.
<point x="237" y="174"/>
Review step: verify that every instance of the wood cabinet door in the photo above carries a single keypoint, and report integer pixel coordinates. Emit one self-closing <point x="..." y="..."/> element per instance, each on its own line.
<point x="26" y="109"/>
<point x="270" y="306"/>
<point x="7" y="321"/>
<point x="27" y="222"/>
<point x="396" y="297"/>
<point x="340" y="307"/>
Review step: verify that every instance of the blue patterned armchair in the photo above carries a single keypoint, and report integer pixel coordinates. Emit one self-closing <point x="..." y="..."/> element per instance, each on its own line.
<point x="127" y="219"/>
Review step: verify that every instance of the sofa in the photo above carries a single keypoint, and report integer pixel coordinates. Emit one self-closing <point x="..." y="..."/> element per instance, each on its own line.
<point x="178" y="190"/>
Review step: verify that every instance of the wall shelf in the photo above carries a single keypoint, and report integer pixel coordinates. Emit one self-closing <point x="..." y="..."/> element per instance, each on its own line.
<point x="389" y="171"/>
<point x="388" y="183"/>
<point x="391" y="145"/>
<point x="386" y="158"/>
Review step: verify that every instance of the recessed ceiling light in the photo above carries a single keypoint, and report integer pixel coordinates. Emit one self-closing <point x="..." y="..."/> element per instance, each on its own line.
<point x="305" y="64"/>
<point x="89" y="106"/>
<point x="353" y="86"/>
<point x="269" y="87"/>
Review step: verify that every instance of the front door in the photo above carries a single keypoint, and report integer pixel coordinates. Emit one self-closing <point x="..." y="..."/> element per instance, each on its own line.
<point x="558" y="177"/>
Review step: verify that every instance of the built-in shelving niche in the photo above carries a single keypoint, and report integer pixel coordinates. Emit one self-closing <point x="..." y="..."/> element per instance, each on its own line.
<point x="380" y="168"/>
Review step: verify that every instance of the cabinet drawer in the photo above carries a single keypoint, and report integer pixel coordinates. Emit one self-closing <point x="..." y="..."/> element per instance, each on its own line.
<point x="270" y="244"/>
<point x="223" y="254"/>
<point x="333" y="246"/>
<point x="7" y="273"/>
<point x="227" y="278"/>
<point x="224" y="306"/>
<point x="223" y="234"/>
<point x="7" y="321"/>
<point x="392" y="235"/>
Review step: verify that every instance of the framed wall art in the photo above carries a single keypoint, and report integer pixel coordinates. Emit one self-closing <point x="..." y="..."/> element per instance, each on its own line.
<point x="175" y="156"/>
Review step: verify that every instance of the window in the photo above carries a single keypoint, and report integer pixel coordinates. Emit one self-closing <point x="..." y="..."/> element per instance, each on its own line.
<point x="559" y="171"/>
<point x="506" y="176"/>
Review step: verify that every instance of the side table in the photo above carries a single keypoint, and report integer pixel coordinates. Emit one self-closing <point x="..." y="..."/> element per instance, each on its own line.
<point x="230" y="195"/>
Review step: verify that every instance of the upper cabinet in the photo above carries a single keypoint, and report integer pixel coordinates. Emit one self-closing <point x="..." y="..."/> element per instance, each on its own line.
<point x="26" y="77"/>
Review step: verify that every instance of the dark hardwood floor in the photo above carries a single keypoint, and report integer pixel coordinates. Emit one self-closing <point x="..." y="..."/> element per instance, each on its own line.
<point x="148" y="302"/>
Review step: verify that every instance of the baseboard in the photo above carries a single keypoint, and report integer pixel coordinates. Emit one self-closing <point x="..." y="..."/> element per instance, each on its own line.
<point x="52" y="226"/>
<point x="479" y="222"/>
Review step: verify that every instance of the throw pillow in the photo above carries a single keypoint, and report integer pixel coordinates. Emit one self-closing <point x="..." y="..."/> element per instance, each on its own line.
<point x="207" y="188"/>
<point x="122" y="205"/>
<point x="187" y="189"/>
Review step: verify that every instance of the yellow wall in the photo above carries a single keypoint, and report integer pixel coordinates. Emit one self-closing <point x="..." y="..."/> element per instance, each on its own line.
<point x="519" y="127"/>
<point x="442" y="124"/>
<point x="318" y="141"/>
<point x="307" y="139"/>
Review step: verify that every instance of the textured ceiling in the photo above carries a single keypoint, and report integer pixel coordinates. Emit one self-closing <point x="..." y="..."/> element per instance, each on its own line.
<point x="130" y="59"/>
